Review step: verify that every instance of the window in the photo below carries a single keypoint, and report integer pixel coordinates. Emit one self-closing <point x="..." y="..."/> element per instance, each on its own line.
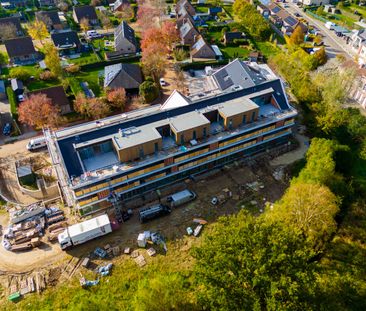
<point x="253" y="116"/>
<point x="194" y="135"/>
<point x="182" y="139"/>
<point x="244" y="119"/>
<point x="230" y="124"/>
<point x="204" y="132"/>
<point x="141" y="152"/>
<point x="156" y="146"/>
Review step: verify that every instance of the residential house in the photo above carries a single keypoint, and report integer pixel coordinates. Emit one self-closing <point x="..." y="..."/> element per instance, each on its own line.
<point x="330" y="8"/>
<point x="183" y="18"/>
<point x="357" y="39"/>
<point x="57" y="96"/>
<point x="230" y="36"/>
<point x="202" y="51"/>
<point x="124" y="39"/>
<point x="67" y="42"/>
<point x="21" y="51"/>
<point x="357" y="92"/>
<point x="85" y="12"/>
<point x="17" y="3"/>
<point x="188" y="33"/>
<point x="263" y="10"/>
<point x="315" y="2"/>
<point x="123" y="75"/>
<point x="15" y="23"/>
<point x="46" y="3"/>
<point x="184" y="5"/>
<point x="17" y="86"/>
<point x="119" y="5"/>
<point x="50" y="18"/>
<point x="138" y="152"/>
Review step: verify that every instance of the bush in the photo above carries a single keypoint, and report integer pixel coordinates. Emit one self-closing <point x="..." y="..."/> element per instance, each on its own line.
<point x="148" y="91"/>
<point x="74" y="68"/>
<point x="20" y="73"/>
<point x="240" y="42"/>
<point x="12" y="102"/>
<point x="46" y="75"/>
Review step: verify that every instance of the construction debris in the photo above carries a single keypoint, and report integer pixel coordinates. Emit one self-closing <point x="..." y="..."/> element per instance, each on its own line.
<point x="86" y="283"/>
<point x="140" y="260"/>
<point x="104" y="270"/>
<point x="151" y="252"/>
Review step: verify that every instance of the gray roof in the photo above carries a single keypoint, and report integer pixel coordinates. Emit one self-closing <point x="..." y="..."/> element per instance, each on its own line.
<point x="188" y="121"/>
<point x="65" y="39"/>
<point x="135" y="137"/>
<point x="186" y="27"/>
<point x="11" y="20"/>
<point x="127" y="76"/>
<point x="236" y="106"/>
<point x="52" y="15"/>
<point x="124" y="31"/>
<point x="85" y="11"/>
<point x="237" y="73"/>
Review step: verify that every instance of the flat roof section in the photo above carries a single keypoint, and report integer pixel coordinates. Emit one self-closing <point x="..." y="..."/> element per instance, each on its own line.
<point x="188" y="121"/>
<point x="135" y="136"/>
<point x="237" y="106"/>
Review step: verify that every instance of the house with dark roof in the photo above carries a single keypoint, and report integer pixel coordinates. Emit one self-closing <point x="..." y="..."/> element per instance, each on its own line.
<point x="202" y="51"/>
<point x="85" y="12"/>
<point x="230" y="36"/>
<point x="13" y="22"/>
<point x="50" y="18"/>
<point x="124" y="39"/>
<point x="67" y="42"/>
<point x="263" y="10"/>
<point x="183" y="18"/>
<point x="184" y="5"/>
<point x="57" y="96"/>
<point x="21" y="51"/>
<point x="213" y="11"/>
<point x="119" y="5"/>
<point x="123" y="75"/>
<point x="188" y="33"/>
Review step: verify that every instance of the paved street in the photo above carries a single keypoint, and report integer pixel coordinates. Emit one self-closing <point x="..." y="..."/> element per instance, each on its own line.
<point x="334" y="45"/>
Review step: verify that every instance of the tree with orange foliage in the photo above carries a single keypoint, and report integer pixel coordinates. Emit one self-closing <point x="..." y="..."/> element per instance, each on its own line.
<point x="117" y="98"/>
<point x="145" y="16"/>
<point x="154" y="61"/>
<point x="38" y="111"/>
<point x="95" y="108"/>
<point x="170" y="34"/>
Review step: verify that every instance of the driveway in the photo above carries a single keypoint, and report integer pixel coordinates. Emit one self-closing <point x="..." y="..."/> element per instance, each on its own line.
<point x="5" y="117"/>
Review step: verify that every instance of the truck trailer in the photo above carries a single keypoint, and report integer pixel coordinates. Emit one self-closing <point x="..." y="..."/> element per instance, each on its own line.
<point x="85" y="231"/>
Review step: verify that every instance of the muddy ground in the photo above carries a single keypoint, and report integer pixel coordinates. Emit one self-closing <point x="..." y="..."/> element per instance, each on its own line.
<point x="49" y="260"/>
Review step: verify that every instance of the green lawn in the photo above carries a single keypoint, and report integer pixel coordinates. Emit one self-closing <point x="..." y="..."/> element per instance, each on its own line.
<point x="39" y="84"/>
<point x="267" y="48"/>
<point x="201" y="9"/>
<point x="91" y="76"/>
<point x="234" y="52"/>
<point x="86" y="58"/>
<point x="99" y="45"/>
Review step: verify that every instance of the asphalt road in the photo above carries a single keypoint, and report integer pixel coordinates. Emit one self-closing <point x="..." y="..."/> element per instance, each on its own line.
<point x="333" y="45"/>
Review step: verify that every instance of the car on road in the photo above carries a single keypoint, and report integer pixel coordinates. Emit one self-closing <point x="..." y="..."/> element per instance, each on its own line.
<point x="298" y="15"/>
<point x="7" y="129"/>
<point x="162" y="82"/>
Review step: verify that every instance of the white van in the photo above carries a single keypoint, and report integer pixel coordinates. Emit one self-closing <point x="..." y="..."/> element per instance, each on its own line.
<point x="181" y="197"/>
<point x="36" y="143"/>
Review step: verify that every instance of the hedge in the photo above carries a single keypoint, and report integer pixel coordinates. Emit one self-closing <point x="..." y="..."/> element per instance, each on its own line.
<point x="75" y="86"/>
<point x="129" y="59"/>
<point x="201" y="65"/>
<point x="12" y="102"/>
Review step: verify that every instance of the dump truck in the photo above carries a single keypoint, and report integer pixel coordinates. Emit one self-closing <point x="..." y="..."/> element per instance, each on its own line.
<point x="84" y="231"/>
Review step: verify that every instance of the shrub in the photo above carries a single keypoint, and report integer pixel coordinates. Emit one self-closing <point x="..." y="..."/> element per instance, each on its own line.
<point x="46" y="75"/>
<point x="74" y="68"/>
<point x="75" y="86"/>
<point x="20" y="73"/>
<point x="12" y="102"/>
<point x="240" y="42"/>
<point x="148" y="91"/>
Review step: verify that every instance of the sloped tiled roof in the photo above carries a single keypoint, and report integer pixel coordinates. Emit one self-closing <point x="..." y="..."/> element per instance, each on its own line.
<point x="65" y="38"/>
<point x="127" y="76"/>
<point x="11" y="20"/>
<point x="124" y="31"/>
<point x="55" y="93"/>
<point x="19" y="47"/>
<point x="52" y="15"/>
<point x="85" y="11"/>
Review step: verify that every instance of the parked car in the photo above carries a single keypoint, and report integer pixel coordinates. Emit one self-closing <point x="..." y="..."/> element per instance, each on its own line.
<point x="298" y="15"/>
<point x="7" y="129"/>
<point x="162" y="82"/>
<point x="21" y="98"/>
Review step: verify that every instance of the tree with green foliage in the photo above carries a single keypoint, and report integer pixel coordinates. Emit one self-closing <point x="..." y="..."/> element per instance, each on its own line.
<point x="38" y="31"/>
<point x="4" y="59"/>
<point x="297" y="37"/>
<point x="148" y="90"/>
<point x="251" y="263"/>
<point x="52" y="60"/>
<point x="310" y="208"/>
<point x="321" y="56"/>
<point x="251" y="20"/>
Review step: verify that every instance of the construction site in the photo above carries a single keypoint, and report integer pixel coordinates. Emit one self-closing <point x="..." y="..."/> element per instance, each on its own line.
<point x="31" y="259"/>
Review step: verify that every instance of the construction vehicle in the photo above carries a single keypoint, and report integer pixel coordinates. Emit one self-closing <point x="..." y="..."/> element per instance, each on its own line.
<point x="85" y="231"/>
